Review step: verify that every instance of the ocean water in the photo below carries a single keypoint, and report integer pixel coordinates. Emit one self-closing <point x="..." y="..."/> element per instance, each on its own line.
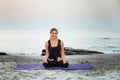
<point x="32" y="42"/>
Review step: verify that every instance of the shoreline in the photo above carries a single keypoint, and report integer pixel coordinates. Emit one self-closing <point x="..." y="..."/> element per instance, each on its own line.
<point x="70" y="58"/>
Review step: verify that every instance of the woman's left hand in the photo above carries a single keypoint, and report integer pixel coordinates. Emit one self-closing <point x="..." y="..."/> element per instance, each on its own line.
<point x="64" y="61"/>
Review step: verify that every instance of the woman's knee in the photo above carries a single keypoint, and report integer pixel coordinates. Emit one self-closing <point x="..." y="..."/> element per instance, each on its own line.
<point x="66" y="64"/>
<point x="45" y="64"/>
<point x="61" y="64"/>
<point x="49" y="64"/>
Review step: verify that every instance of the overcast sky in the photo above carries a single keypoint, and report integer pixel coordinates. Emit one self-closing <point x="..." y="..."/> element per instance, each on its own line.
<point x="68" y="14"/>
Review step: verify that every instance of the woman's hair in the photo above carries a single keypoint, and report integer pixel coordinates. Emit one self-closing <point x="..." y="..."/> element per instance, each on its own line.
<point x="53" y="29"/>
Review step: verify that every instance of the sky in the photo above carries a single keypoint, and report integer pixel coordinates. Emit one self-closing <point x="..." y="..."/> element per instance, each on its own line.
<point x="78" y="15"/>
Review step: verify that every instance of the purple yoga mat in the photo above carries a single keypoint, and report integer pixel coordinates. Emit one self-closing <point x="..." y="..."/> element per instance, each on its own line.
<point x="41" y="67"/>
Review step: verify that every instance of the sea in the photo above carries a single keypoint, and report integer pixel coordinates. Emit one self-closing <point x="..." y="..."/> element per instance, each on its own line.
<point x="25" y="42"/>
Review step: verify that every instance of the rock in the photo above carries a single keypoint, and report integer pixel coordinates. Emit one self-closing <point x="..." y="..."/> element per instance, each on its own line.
<point x="3" y="53"/>
<point x="72" y="51"/>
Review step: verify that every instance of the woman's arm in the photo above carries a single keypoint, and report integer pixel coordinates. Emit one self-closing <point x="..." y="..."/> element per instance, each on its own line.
<point x="62" y="52"/>
<point x="47" y="52"/>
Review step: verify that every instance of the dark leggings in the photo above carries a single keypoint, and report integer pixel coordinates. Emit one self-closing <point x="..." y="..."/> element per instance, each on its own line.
<point x="56" y="64"/>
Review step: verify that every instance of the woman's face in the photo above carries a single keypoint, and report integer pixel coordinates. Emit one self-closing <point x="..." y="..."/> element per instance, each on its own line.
<point x="54" y="34"/>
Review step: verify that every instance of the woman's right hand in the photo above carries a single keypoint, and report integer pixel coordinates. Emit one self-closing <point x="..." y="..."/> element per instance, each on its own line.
<point x="45" y="61"/>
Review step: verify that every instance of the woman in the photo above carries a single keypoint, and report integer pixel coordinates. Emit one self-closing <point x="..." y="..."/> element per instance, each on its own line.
<point x="55" y="55"/>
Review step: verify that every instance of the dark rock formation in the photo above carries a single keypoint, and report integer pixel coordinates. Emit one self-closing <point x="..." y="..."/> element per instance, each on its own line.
<point x="3" y="53"/>
<point x="72" y="51"/>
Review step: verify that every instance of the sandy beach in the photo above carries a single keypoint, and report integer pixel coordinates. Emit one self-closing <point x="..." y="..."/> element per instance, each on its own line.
<point x="106" y="67"/>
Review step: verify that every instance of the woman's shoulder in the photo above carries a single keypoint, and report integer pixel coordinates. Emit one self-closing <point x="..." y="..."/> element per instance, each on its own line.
<point x="61" y="41"/>
<point x="47" y="42"/>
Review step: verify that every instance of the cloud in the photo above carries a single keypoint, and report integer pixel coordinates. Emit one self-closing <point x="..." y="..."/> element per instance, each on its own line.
<point x="62" y="8"/>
